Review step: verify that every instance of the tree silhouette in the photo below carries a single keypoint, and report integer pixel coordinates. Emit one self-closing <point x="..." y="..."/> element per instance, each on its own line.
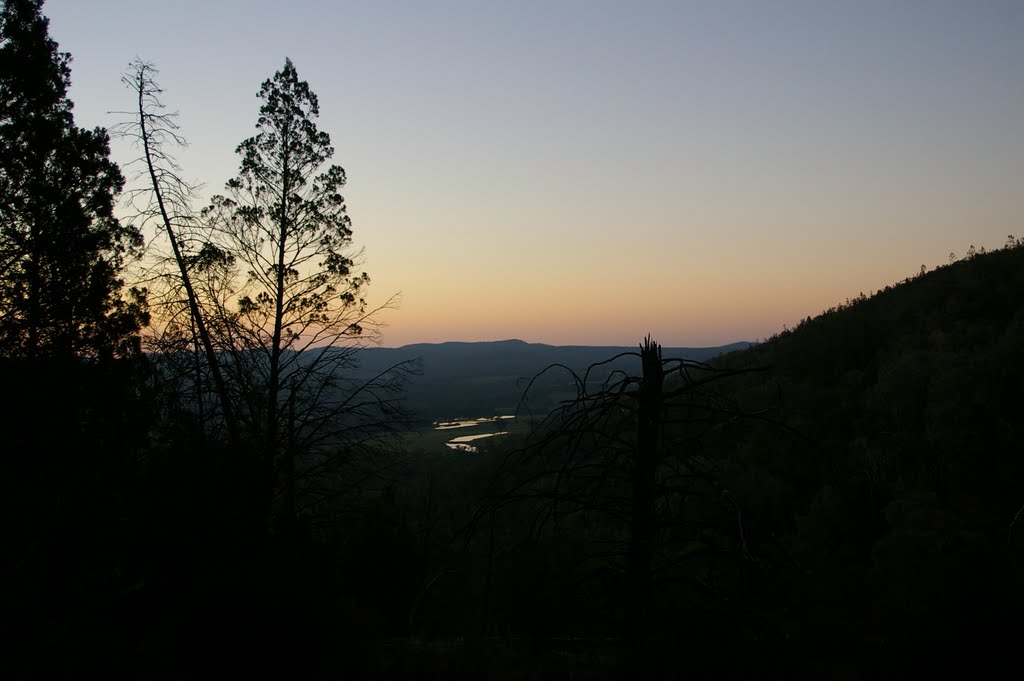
<point x="289" y="303"/>
<point x="259" y="303"/>
<point x="61" y="248"/>
<point x="167" y="199"/>
<point x="75" y="415"/>
<point x="620" y="460"/>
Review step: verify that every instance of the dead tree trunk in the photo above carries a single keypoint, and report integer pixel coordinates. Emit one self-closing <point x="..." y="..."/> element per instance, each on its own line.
<point x="645" y="465"/>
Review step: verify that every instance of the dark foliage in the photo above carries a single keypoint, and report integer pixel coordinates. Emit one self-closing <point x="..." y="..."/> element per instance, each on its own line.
<point x="888" y="531"/>
<point x="852" y="512"/>
<point x="61" y="248"/>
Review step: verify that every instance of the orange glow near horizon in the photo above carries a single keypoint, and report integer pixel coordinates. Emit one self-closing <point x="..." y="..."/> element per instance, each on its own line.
<point x="704" y="172"/>
<point x="688" y="316"/>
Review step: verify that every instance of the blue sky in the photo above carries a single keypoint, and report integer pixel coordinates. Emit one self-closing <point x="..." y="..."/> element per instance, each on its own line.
<point x="588" y="172"/>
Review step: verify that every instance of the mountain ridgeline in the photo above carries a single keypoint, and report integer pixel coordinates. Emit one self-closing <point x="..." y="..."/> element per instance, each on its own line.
<point x="460" y="380"/>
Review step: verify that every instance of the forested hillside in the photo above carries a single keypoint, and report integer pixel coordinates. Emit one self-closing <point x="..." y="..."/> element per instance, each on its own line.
<point x="889" y="513"/>
<point x="840" y="501"/>
<point x="211" y="476"/>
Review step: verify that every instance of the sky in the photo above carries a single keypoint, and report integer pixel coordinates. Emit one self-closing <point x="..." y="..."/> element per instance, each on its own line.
<point x="588" y="172"/>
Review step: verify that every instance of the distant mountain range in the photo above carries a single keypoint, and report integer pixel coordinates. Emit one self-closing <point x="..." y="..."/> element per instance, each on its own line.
<point x="485" y="378"/>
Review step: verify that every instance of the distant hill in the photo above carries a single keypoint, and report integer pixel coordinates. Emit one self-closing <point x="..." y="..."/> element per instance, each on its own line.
<point x="483" y="378"/>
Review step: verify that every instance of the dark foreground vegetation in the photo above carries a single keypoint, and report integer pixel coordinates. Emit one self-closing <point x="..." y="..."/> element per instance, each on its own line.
<point x="842" y="501"/>
<point x="849" y="509"/>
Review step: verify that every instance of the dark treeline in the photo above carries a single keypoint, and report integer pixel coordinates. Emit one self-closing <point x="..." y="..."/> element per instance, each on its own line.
<point x="199" y="482"/>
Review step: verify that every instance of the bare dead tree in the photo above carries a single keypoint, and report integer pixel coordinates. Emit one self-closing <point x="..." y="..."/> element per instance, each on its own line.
<point x="627" y="451"/>
<point x="168" y="199"/>
<point x="262" y="283"/>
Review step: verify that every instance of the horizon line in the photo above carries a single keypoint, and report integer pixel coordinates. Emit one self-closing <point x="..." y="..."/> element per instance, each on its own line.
<point x="554" y="345"/>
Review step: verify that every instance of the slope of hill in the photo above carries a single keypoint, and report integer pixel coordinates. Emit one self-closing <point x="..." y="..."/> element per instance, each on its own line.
<point x="893" y="523"/>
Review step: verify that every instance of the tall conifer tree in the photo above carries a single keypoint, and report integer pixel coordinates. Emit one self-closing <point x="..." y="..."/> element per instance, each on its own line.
<point x="299" y="313"/>
<point x="61" y="248"/>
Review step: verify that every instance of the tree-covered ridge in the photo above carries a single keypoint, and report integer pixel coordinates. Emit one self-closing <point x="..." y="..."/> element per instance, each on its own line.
<point x="849" y="508"/>
<point x="891" y="515"/>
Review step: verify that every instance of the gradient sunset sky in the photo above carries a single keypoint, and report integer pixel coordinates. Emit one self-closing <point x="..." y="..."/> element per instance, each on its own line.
<point x="587" y="172"/>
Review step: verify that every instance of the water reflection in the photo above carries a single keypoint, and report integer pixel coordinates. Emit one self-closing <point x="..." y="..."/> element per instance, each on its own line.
<point x="462" y="443"/>
<point x="452" y="425"/>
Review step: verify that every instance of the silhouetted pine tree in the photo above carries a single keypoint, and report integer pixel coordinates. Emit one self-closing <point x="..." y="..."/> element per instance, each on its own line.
<point x="293" y="323"/>
<point x="61" y="248"/>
